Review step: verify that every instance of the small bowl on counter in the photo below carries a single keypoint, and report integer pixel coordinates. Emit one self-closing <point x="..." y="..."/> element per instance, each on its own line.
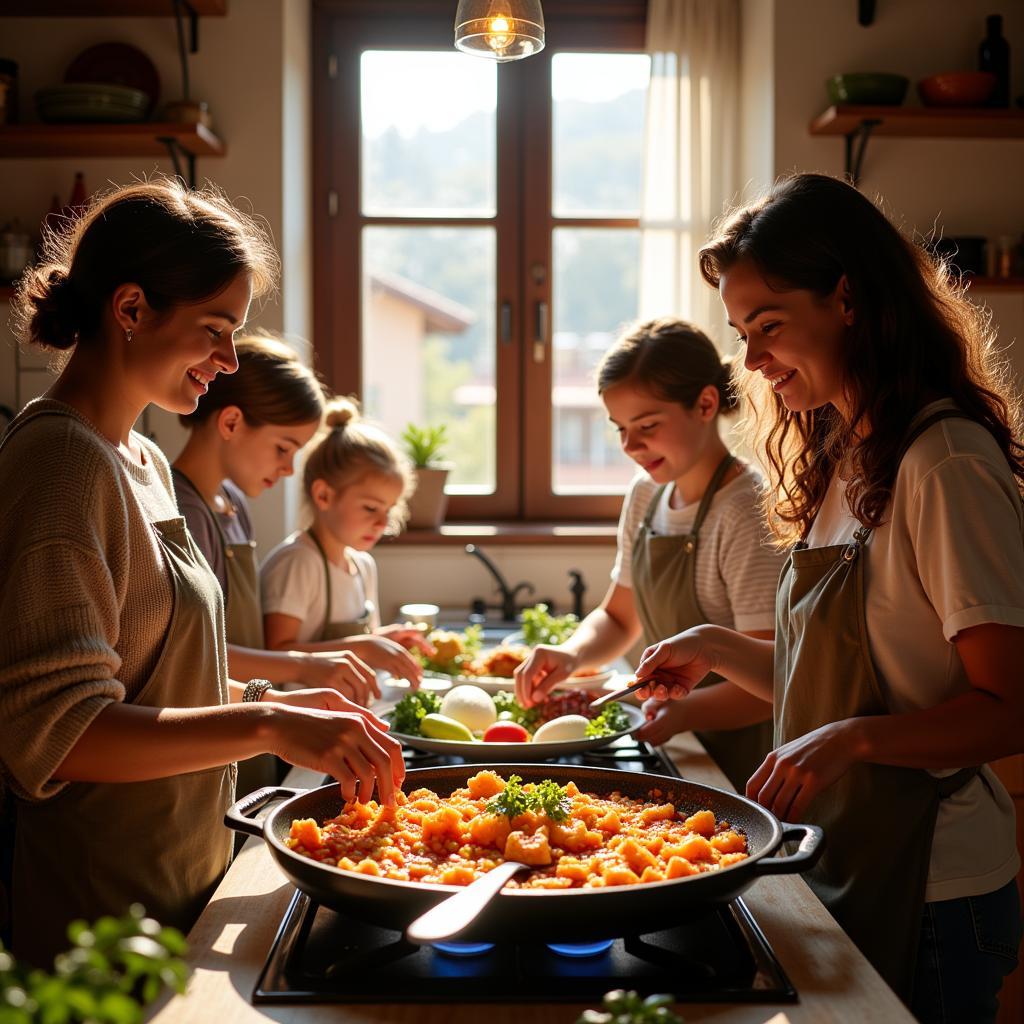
<point x="867" y="88"/>
<point x="956" y="89"/>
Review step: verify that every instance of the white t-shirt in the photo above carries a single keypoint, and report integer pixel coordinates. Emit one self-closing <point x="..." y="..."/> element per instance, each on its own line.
<point x="950" y="556"/>
<point x="737" y="568"/>
<point x="292" y="583"/>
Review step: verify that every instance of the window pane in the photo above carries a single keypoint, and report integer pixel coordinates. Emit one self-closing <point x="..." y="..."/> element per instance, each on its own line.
<point x="429" y="342"/>
<point x="595" y="293"/>
<point x="428" y="134"/>
<point x="598" y="102"/>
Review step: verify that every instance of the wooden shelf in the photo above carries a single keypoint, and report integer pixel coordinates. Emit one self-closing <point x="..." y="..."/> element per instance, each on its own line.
<point x="106" y="140"/>
<point x="108" y="8"/>
<point x="923" y="122"/>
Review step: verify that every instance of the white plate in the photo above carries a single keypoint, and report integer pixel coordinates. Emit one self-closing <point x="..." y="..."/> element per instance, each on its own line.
<point x="495" y="684"/>
<point x="511" y="753"/>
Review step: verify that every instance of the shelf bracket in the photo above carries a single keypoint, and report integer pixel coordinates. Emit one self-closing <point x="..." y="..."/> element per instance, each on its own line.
<point x="178" y="153"/>
<point x="856" y="143"/>
<point x="865" y="12"/>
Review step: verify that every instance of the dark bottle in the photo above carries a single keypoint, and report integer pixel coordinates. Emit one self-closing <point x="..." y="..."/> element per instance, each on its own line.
<point x="994" y="56"/>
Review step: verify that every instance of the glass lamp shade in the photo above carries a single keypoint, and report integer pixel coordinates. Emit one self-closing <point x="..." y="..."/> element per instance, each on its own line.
<point x="500" y="30"/>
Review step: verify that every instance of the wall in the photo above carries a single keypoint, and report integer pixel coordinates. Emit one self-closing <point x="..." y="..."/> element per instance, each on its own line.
<point x="253" y="69"/>
<point x="963" y="186"/>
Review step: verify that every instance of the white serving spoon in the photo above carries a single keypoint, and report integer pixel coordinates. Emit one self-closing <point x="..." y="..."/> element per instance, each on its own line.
<point x="457" y="912"/>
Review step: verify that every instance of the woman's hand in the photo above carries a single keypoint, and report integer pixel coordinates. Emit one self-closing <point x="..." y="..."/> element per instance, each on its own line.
<point x="323" y="731"/>
<point x="664" y="719"/>
<point x="341" y="671"/>
<point x="383" y="653"/>
<point x="411" y="637"/>
<point x="542" y="671"/>
<point x="675" y="666"/>
<point x="794" y="774"/>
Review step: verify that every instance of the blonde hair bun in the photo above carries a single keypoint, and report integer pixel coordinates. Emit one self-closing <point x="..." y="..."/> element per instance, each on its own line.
<point x="340" y="413"/>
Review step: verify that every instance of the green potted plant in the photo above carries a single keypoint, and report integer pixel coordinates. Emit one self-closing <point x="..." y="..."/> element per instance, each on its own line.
<point x="424" y="446"/>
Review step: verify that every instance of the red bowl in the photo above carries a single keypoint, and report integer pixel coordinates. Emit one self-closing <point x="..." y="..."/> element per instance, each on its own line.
<point x="956" y="89"/>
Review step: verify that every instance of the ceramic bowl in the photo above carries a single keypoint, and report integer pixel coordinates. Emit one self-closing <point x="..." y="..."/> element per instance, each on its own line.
<point x="956" y="89"/>
<point x="868" y="88"/>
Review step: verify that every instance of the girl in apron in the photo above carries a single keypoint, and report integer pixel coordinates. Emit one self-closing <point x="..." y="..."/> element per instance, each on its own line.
<point x="895" y="472"/>
<point x="692" y="547"/>
<point x="244" y="436"/>
<point x="118" y="731"/>
<point x="319" y="586"/>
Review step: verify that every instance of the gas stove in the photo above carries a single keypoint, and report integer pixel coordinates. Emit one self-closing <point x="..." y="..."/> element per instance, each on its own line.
<point x="718" y="956"/>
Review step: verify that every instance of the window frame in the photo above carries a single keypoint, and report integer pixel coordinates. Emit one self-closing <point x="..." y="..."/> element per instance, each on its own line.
<point x="524" y="411"/>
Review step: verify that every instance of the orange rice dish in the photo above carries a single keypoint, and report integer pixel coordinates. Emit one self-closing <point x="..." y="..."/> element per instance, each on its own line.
<point x="603" y="841"/>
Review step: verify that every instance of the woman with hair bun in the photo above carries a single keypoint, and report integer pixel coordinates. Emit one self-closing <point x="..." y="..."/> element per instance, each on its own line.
<point x="120" y="723"/>
<point x="244" y="436"/>
<point x="320" y="585"/>
<point x="691" y="545"/>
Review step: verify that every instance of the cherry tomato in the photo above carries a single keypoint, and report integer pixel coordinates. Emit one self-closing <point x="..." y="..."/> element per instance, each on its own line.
<point x="506" y="732"/>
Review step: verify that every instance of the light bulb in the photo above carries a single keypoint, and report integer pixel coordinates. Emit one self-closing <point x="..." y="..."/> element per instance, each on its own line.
<point x="498" y="33"/>
<point x="501" y="30"/>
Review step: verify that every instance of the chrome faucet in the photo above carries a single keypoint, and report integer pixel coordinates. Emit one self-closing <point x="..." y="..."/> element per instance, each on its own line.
<point x="508" y="607"/>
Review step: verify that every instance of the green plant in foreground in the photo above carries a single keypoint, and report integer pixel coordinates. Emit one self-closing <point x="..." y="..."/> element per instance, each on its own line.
<point x="620" y="1007"/>
<point x="115" y="967"/>
<point x="424" y="444"/>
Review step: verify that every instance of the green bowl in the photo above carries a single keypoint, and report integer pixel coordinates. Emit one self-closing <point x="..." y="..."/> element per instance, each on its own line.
<point x="867" y="88"/>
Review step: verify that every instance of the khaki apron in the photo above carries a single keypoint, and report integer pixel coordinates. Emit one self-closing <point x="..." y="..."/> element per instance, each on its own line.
<point x="878" y="820"/>
<point x="331" y="630"/>
<point x="96" y="848"/>
<point x="243" y="607"/>
<point x="665" y="593"/>
<point x="244" y="619"/>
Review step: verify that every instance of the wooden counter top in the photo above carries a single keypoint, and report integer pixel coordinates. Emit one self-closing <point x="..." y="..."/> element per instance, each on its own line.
<point x="230" y="942"/>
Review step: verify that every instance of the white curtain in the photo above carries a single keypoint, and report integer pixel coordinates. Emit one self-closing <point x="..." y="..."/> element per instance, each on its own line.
<point x="691" y="156"/>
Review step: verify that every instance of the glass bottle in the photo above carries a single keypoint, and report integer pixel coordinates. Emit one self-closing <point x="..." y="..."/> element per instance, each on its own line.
<point x="994" y="56"/>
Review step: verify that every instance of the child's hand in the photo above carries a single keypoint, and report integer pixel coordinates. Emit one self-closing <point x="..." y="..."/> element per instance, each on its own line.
<point x="665" y="718"/>
<point x="341" y="671"/>
<point x="383" y="653"/>
<point x="409" y="636"/>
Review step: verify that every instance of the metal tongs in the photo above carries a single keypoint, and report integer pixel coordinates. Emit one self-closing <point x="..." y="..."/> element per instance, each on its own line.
<point x="607" y="698"/>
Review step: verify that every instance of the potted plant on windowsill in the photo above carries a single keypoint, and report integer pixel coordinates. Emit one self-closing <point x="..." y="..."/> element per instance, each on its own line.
<point x="429" y="502"/>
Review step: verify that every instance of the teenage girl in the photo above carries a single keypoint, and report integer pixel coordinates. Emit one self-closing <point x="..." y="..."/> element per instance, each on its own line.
<point x="893" y="447"/>
<point x="119" y="720"/>
<point x="691" y="545"/>
<point x="243" y="437"/>
<point x="320" y="584"/>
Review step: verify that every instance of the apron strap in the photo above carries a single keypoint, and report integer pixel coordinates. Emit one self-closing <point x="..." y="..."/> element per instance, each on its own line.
<point x="225" y="551"/>
<point x="709" y="494"/>
<point x="327" y="581"/>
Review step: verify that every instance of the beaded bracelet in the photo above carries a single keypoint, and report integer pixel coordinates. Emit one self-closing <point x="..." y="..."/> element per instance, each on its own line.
<point x="254" y="690"/>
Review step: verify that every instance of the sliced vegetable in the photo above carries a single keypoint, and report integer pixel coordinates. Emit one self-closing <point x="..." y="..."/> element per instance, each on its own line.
<point x="441" y="727"/>
<point x="506" y="732"/>
<point x="612" y="720"/>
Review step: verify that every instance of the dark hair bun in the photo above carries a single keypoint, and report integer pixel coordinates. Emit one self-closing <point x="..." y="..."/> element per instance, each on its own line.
<point x="47" y="297"/>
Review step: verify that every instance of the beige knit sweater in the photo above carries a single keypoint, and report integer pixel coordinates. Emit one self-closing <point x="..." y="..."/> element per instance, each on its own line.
<point x="85" y="598"/>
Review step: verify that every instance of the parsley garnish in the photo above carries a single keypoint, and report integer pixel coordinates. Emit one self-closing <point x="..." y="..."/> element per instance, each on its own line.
<point x="547" y="797"/>
<point x="409" y="711"/>
<point x="612" y="720"/>
<point x="505" y="701"/>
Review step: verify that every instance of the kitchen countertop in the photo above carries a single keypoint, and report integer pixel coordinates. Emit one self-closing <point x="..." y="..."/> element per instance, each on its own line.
<point x="230" y="941"/>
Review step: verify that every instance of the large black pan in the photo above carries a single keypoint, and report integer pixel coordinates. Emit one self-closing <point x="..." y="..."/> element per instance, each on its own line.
<point x="567" y="915"/>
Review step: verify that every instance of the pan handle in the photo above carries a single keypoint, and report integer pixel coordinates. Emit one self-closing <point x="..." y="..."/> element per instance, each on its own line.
<point x="812" y="843"/>
<point x="238" y="814"/>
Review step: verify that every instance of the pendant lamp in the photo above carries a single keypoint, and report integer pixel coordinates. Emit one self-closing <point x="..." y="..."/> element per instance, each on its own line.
<point x="499" y="29"/>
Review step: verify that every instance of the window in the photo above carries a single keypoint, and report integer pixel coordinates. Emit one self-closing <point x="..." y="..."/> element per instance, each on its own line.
<point x="481" y="245"/>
